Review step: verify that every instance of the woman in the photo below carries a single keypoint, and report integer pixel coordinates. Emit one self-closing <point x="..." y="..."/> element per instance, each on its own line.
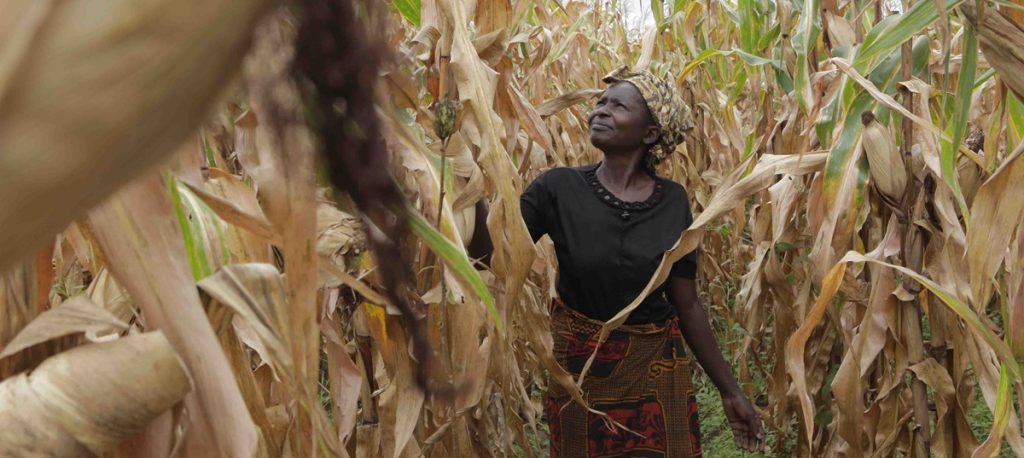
<point x="610" y="223"/>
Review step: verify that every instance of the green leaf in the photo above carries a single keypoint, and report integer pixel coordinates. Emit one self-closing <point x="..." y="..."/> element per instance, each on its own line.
<point x="410" y="10"/>
<point x="805" y="39"/>
<point x="658" y="8"/>
<point x="194" y="246"/>
<point x="1004" y="399"/>
<point x="921" y="53"/>
<point x="703" y="56"/>
<point x="1015" y="109"/>
<point x="748" y="25"/>
<point x="567" y="39"/>
<point x="892" y="31"/>
<point x="752" y="59"/>
<point x="950" y="150"/>
<point x="455" y="259"/>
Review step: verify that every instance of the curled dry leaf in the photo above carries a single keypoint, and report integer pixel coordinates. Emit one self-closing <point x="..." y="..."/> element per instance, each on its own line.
<point x="76" y="315"/>
<point x="89" y="399"/>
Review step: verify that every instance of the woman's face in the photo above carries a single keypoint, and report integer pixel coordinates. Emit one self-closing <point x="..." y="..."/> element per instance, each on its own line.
<point x="621" y="120"/>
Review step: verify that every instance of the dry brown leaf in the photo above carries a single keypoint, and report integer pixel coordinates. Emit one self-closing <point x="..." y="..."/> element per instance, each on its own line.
<point x="106" y="87"/>
<point x="87" y="400"/>
<point x="995" y="214"/>
<point x="140" y="238"/>
<point x="76" y="315"/>
<point x="557" y="104"/>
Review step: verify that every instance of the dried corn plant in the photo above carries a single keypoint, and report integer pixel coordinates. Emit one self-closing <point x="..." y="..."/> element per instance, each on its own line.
<point x="853" y="167"/>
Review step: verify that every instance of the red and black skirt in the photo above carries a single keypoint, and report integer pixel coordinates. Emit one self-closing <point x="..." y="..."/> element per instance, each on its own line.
<point x="640" y="378"/>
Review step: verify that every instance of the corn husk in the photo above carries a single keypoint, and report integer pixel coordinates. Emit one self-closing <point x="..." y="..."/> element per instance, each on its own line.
<point x="87" y="400"/>
<point x="887" y="169"/>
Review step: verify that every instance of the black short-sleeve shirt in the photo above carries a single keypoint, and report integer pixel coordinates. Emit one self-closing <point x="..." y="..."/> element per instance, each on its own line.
<point x="608" y="249"/>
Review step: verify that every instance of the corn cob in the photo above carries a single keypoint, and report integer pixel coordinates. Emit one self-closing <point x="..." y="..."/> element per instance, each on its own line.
<point x="887" y="169"/>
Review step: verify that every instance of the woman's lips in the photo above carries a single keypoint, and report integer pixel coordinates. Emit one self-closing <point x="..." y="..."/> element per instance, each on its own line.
<point x="596" y="126"/>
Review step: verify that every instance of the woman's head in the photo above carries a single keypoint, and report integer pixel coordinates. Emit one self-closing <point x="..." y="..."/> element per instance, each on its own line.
<point x="639" y="111"/>
<point x="621" y="120"/>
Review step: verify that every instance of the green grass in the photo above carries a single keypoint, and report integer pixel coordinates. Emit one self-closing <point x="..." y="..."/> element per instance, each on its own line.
<point x="716" y="436"/>
<point x="981" y="422"/>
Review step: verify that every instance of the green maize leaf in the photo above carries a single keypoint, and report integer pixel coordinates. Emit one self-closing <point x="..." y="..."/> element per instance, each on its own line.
<point x="703" y="56"/>
<point x="842" y="150"/>
<point x="950" y="149"/>
<point x="892" y="31"/>
<point x="193" y="238"/>
<point x="1004" y="401"/>
<point x="410" y="10"/>
<point x="658" y="8"/>
<point x="752" y="59"/>
<point x="921" y="53"/>
<point x="983" y="79"/>
<point x="1015" y="110"/>
<point x="456" y="260"/>
<point x="805" y="39"/>
<point x="737" y="88"/>
<point x="768" y="40"/>
<point x="748" y="25"/>
<point x="570" y="35"/>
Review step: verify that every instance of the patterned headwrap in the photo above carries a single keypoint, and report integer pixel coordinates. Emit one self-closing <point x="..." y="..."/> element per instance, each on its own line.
<point x="669" y="111"/>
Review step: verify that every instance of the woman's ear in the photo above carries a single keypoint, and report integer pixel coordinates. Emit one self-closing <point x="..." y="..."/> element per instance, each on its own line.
<point x="652" y="135"/>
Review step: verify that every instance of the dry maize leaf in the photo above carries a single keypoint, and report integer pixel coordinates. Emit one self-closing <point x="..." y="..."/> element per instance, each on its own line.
<point x="401" y="400"/>
<point x="22" y="298"/>
<point x="255" y="223"/>
<point x="935" y="376"/>
<point x="797" y="343"/>
<point x="563" y="101"/>
<point x="256" y="292"/>
<point x="476" y="85"/>
<point x="180" y="55"/>
<point x="346" y="379"/>
<point x="995" y="214"/>
<point x="867" y="344"/>
<point x="532" y="121"/>
<point x="1001" y="41"/>
<point x="87" y="400"/>
<point x="338" y="233"/>
<point x="840" y="31"/>
<point x="784" y="195"/>
<point x="76" y="315"/>
<point x="142" y="242"/>
<point x="105" y="292"/>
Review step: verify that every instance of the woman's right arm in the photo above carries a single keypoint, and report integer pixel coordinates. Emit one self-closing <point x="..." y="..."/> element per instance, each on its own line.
<point x="535" y="205"/>
<point x="480" y="246"/>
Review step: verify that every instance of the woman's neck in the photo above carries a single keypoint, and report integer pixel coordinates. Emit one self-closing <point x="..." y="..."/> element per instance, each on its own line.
<point x="623" y="172"/>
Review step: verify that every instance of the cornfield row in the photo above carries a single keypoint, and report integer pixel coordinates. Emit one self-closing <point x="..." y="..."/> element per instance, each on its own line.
<point x="854" y="168"/>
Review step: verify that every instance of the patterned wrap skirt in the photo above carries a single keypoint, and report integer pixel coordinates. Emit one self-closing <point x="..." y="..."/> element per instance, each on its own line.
<point x="640" y="378"/>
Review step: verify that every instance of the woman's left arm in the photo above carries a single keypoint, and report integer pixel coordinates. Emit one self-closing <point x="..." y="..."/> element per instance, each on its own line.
<point x="693" y="322"/>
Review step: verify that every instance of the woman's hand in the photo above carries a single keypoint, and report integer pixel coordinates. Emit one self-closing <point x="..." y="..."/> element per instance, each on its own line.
<point x="745" y="422"/>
